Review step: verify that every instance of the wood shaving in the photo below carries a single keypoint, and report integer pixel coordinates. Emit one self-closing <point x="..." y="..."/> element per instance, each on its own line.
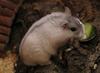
<point x="7" y="63"/>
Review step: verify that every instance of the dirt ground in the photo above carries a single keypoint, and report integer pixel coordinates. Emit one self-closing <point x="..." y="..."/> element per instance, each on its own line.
<point x="85" y="59"/>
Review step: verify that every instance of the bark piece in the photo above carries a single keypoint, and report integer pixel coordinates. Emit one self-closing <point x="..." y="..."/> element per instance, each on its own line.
<point x="6" y="21"/>
<point x="4" y="30"/>
<point x="8" y="4"/>
<point x="8" y="10"/>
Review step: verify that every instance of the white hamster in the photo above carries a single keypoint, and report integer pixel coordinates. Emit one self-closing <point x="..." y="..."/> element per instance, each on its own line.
<point x="46" y="35"/>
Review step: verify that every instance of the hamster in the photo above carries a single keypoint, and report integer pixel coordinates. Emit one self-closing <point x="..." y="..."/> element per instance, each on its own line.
<point x="46" y="35"/>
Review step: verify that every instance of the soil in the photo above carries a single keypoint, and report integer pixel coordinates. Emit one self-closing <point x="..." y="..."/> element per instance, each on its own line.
<point x="82" y="59"/>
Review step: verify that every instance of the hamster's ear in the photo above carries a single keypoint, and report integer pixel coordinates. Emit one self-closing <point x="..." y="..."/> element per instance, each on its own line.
<point x="68" y="11"/>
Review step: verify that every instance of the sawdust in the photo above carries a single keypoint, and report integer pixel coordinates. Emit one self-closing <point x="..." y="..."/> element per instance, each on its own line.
<point x="7" y="63"/>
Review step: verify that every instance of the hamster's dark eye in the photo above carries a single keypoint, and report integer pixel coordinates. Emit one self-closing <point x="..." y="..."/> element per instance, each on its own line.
<point x="73" y="29"/>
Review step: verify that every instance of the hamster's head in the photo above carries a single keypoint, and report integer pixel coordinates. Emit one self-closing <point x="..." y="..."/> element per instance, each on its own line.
<point x="76" y="26"/>
<point x="67" y="24"/>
